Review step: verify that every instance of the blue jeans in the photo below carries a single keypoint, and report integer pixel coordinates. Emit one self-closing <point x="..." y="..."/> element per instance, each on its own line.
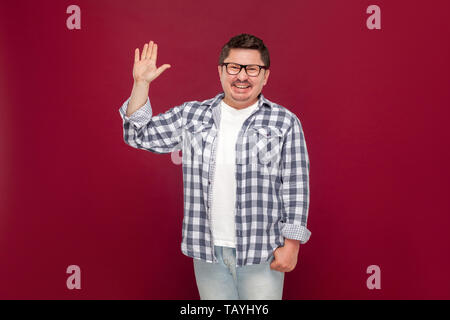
<point x="225" y="281"/>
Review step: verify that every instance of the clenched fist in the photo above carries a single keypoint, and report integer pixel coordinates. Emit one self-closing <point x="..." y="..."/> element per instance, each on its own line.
<point x="286" y="256"/>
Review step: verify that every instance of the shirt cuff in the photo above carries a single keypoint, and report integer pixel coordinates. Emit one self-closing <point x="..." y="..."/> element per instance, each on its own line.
<point x="140" y="117"/>
<point x="296" y="232"/>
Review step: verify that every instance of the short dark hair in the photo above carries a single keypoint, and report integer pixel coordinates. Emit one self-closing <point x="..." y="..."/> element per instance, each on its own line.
<point x="245" y="41"/>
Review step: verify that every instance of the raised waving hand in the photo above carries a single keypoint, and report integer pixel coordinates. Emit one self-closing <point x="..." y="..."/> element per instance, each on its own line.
<point x="144" y="69"/>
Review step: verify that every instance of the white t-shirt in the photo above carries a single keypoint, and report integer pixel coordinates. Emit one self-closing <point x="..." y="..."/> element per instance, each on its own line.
<point x="224" y="183"/>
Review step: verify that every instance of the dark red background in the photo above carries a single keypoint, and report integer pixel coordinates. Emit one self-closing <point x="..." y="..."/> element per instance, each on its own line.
<point x="374" y="105"/>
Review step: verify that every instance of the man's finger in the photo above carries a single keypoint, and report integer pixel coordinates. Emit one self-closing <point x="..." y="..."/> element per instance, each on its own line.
<point x="150" y="49"/>
<point x="154" y="53"/>
<point x="136" y="55"/>
<point x="144" y="51"/>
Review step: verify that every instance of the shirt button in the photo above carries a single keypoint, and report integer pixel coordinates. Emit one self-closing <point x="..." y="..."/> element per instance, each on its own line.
<point x="209" y="181"/>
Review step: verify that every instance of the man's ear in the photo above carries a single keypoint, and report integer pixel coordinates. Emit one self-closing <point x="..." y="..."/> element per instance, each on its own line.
<point x="219" y="68"/>
<point x="266" y="76"/>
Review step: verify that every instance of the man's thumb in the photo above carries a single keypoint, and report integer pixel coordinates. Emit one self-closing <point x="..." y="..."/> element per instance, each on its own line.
<point x="273" y="264"/>
<point x="162" y="68"/>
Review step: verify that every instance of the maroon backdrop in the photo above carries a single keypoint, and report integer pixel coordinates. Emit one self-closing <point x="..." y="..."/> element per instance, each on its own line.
<point x="374" y="105"/>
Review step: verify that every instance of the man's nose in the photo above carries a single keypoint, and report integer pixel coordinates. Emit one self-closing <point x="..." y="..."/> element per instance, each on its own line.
<point x="242" y="75"/>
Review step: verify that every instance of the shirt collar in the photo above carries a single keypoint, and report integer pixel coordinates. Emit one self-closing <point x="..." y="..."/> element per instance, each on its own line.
<point x="262" y="101"/>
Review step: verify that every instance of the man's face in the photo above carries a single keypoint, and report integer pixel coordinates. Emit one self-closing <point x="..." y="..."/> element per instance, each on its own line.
<point x="242" y="90"/>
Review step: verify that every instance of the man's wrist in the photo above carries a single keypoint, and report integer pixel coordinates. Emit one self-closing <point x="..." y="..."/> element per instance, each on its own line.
<point x="141" y="83"/>
<point x="291" y="243"/>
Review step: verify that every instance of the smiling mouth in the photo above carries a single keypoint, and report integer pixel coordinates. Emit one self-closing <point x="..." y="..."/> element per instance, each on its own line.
<point x="242" y="86"/>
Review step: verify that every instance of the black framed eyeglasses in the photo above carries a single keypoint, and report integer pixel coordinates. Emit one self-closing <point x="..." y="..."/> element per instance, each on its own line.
<point x="252" y="70"/>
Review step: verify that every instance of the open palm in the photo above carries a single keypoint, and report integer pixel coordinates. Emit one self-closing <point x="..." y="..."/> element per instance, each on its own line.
<point x="144" y="68"/>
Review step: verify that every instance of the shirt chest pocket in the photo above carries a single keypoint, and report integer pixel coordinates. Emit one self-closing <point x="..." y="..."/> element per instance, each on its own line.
<point x="262" y="145"/>
<point x="195" y="135"/>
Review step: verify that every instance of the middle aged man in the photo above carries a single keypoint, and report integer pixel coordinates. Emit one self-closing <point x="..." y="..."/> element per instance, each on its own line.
<point x="245" y="172"/>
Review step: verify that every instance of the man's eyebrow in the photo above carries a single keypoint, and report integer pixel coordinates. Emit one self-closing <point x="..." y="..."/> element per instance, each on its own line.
<point x="251" y="64"/>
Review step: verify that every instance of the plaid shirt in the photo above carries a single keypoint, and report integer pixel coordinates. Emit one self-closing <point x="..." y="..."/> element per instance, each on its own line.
<point x="272" y="173"/>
